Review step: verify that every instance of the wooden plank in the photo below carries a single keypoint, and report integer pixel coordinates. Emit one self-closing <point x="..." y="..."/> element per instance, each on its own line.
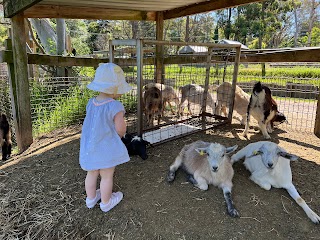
<point x="21" y="85"/>
<point x="74" y="12"/>
<point x="132" y="5"/>
<point x="309" y="55"/>
<point x="317" y="122"/>
<point x="299" y="55"/>
<point x="42" y="59"/>
<point x="12" y="7"/>
<point x="204" y="7"/>
<point x="6" y="56"/>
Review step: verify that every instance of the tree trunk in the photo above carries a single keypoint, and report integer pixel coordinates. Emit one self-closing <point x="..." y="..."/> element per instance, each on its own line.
<point x="295" y="23"/>
<point x="135" y="29"/>
<point x="187" y="29"/>
<point x="61" y="43"/>
<point x="311" y="22"/>
<point x="45" y="33"/>
<point x="263" y="65"/>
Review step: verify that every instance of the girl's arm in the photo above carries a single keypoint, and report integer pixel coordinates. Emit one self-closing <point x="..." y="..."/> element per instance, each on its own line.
<point x="120" y="124"/>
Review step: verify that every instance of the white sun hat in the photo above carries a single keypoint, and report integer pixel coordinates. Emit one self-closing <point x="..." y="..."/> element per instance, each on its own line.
<point x="109" y="78"/>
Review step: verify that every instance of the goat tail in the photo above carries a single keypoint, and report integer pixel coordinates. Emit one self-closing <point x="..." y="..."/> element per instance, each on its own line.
<point x="300" y="201"/>
<point x="173" y="168"/>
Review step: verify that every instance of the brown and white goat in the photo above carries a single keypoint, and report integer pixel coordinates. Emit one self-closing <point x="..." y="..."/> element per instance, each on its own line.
<point x="263" y="108"/>
<point x="5" y="137"/>
<point x="153" y="104"/>
<point x="168" y="95"/>
<point x="241" y="100"/>
<point x="207" y="163"/>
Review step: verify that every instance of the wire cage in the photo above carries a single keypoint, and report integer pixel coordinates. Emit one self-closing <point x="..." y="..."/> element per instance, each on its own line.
<point x="173" y="86"/>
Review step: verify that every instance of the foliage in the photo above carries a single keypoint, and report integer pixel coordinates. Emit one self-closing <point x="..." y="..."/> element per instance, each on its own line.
<point x="62" y="110"/>
<point x="78" y="32"/>
<point x="3" y="34"/>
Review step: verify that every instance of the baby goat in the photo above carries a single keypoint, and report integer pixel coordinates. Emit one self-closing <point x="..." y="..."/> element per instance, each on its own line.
<point x="263" y="108"/>
<point x="136" y="145"/>
<point x="207" y="163"/>
<point x="5" y="137"/>
<point x="193" y="93"/>
<point x="269" y="165"/>
<point x="168" y="95"/>
<point x="153" y="104"/>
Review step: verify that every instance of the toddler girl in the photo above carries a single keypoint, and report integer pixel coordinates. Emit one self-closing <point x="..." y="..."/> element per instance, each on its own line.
<point x="101" y="148"/>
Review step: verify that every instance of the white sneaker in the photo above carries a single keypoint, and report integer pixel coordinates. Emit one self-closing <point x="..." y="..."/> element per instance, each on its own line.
<point x="92" y="202"/>
<point x="114" y="200"/>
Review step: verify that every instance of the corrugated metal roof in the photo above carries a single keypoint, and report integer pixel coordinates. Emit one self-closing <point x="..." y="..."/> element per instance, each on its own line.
<point x="226" y="41"/>
<point x="193" y="49"/>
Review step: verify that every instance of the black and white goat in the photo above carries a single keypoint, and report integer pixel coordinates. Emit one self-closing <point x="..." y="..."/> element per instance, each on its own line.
<point x="207" y="163"/>
<point x="264" y="109"/>
<point x="269" y="165"/>
<point x="5" y="137"/>
<point x="136" y="145"/>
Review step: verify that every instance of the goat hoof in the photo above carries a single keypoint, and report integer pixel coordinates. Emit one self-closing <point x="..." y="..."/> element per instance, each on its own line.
<point x="170" y="177"/>
<point x="267" y="137"/>
<point x="233" y="213"/>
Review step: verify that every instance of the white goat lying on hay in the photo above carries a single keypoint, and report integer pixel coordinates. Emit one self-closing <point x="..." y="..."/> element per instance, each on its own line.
<point x="207" y="163"/>
<point x="269" y="165"/>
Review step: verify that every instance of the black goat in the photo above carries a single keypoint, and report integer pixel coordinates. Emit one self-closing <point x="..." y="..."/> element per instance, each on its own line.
<point x="5" y="137"/>
<point x="135" y="145"/>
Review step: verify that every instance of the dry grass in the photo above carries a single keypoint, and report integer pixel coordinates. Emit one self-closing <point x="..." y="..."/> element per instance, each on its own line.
<point x="35" y="215"/>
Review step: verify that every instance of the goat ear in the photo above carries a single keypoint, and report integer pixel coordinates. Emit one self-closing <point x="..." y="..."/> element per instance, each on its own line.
<point x="231" y="149"/>
<point x="201" y="151"/>
<point x="289" y="156"/>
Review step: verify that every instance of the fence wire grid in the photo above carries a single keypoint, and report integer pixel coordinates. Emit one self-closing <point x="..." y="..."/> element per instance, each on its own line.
<point x="60" y="102"/>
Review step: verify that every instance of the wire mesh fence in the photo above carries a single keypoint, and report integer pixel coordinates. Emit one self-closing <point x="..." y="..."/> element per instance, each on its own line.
<point x="296" y="96"/>
<point x="172" y="85"/>
<point x="59" y="102"/>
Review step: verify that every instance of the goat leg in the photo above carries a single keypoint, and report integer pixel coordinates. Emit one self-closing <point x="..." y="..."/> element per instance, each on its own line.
<point x="230" y="206"/>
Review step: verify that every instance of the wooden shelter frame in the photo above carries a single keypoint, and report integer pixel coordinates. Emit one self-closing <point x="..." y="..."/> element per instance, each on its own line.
<point x="18" y="59"/>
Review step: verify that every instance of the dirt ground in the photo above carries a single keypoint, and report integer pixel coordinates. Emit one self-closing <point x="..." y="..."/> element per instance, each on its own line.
<point x="42" y="194"/>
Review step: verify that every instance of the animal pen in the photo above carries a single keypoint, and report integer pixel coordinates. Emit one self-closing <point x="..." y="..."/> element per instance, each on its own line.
<point x="148" y="62"/>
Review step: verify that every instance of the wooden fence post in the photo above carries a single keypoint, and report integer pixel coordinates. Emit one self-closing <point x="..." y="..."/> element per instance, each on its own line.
<point x="20" y="84"/>
<point x="159" y="49"/>
<point x="317" y="123"/>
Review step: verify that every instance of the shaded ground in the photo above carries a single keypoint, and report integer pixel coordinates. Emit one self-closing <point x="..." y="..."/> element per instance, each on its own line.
<point x="42" y="195"/>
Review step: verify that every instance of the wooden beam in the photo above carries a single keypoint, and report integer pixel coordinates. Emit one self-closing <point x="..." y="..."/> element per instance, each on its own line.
<point x="12" y="7"/>
<point x="20" y="91"/>
<point x="299" y="55"/>
<point x="74" y="12"/>
<point x="203" y="7"/>
<point x="42" y="59"/>
<point x="295" y="55"/>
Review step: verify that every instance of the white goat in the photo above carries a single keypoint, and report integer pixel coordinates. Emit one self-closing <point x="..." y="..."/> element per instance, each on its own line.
<point x="269" y="165"/>
<point x="193" y="93"/>
<point x="241" y="100"/>
<point x="207" y="163"/>
<point x="168" y="94"/>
